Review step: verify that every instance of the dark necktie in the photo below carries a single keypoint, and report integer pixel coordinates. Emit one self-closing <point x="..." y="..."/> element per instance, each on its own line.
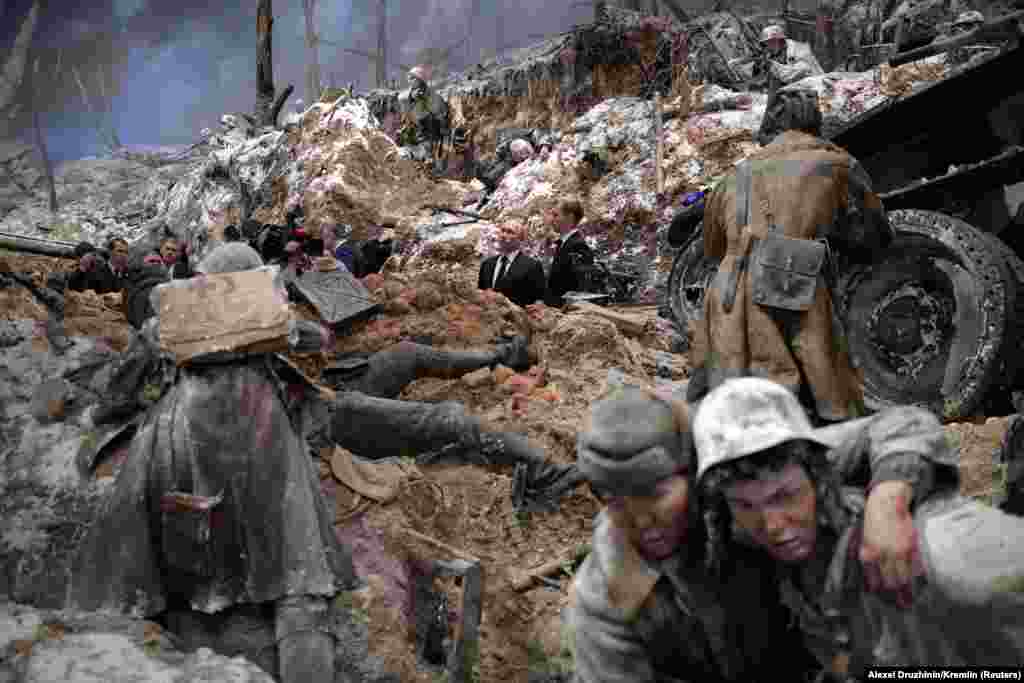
<point x="502" y="267"/>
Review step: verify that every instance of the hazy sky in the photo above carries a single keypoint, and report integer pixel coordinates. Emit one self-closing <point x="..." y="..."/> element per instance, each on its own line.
<point x="185" y="62"/>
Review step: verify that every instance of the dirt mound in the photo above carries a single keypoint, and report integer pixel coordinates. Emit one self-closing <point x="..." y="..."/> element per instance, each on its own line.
<point x="981" y="476"/>
<point x="86" y="313"/>
<point x="353" y="174"/>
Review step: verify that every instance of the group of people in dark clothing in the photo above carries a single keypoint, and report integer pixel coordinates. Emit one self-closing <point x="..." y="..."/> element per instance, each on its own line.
<point x="111" y="269"/>
<point x="521" y="277"/>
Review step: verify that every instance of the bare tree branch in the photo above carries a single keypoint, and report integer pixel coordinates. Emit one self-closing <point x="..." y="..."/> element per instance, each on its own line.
<point x="41" y="145"/>
<point x="313" y="85"/>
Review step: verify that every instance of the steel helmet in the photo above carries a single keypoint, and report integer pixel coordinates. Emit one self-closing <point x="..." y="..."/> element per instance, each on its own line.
<point x="748" y="415"/>
<point x="773" y="31"/>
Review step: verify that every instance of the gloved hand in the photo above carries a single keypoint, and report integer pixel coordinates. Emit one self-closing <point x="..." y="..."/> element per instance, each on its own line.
<point x="538" y="486"/>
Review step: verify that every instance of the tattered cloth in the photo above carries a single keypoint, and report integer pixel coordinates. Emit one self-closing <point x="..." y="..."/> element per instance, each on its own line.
<point x="221" y="431"/>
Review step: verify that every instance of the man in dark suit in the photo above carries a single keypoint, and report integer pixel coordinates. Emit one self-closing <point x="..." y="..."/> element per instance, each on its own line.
<point x="174" y="259"/>
<point x="573" y="256"/>
<point x="511" y="272"/>
<point x="102" y="272"/>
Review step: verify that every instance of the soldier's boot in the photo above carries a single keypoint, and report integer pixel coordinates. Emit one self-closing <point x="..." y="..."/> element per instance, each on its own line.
<point x="1011" y="454"/>
<point x="305" y="646"/>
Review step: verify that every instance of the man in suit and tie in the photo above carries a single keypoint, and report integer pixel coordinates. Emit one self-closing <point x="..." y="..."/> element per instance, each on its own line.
<point x="511" y="272"/>
<point x="573" y="256"/>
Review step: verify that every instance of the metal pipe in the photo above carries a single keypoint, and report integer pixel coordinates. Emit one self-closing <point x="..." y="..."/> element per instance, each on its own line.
<point x="35" y="245"/>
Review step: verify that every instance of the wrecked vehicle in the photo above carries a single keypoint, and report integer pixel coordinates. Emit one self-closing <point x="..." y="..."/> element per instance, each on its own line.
<point x="936" y="323"/>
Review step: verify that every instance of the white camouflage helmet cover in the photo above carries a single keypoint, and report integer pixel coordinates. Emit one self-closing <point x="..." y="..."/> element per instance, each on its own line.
<point x="773" y="31"/>
<point x="748" y="415"/>
<point x="520" y="149"/>
<point x="421" y="72"/>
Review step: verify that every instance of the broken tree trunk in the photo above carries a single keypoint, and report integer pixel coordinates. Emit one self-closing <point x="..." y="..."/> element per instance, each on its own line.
<point x="41" y="145"/>
<point x="265" y="63"/>
<point x="35" y="245"/>
<point x="17" y="60"/>
<point x="382" y="43"/>
<point x="313" y="86"/>
<point x="34" y="86"/>
<point x="659" y="176"/>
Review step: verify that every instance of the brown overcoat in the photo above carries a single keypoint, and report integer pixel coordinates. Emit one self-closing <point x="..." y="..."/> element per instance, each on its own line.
<point x="811" y="189"/>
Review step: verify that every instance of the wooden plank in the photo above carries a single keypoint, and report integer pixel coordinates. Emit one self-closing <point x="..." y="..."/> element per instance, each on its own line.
<point x="223" y="312"/>
<point x="629" y="324"/>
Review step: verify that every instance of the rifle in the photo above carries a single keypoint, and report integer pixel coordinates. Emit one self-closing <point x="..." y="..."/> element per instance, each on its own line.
<point x="458" y="212"/>
<point x="996" y="30"/>
<point x="732" y="72"/>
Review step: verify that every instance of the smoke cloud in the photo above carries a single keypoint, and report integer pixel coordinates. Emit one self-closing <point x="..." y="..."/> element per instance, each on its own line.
<point x="169" y="69"/>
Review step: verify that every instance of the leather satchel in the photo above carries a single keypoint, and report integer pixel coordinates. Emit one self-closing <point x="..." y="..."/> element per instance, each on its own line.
<point x="785" y="271"/>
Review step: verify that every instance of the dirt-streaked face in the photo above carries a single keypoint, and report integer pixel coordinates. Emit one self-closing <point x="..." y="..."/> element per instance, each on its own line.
<point x="655" y="524"/>
<point x="778" y="511"/>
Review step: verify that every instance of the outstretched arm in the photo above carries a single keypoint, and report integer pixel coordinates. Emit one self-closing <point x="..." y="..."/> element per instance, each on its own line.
<point x="907" y="456"/>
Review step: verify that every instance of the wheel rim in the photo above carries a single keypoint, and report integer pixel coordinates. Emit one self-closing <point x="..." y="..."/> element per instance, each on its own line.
<point x="926" y="323"/>
<point x="911" y="327"/>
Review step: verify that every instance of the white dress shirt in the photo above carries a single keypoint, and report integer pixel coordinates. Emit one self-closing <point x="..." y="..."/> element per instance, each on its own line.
<point x="502" y="259"/>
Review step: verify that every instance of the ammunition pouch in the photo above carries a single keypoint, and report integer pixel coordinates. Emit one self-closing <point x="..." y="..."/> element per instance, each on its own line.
<point x="785" y="272"/>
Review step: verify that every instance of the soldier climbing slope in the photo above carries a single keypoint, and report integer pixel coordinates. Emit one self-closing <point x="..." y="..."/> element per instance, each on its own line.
<point x="644" y="607"/>
<point x="767" y="479"/>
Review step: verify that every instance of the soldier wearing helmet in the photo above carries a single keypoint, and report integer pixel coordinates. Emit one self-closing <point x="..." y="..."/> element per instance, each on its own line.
<point x="788" y="60"/>
<point x="429" y="113"/>
<point x="767" y="477"/>
<point x="793" y="207"/>
<point x="643" y="606"/>
<point x="965" y="23"/>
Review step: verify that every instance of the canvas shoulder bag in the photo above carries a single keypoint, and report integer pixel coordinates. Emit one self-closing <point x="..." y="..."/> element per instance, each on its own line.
<point x="785" y="271"/>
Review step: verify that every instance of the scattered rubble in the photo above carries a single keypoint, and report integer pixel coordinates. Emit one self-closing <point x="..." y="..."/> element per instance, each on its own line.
<point x="337" y="161"/>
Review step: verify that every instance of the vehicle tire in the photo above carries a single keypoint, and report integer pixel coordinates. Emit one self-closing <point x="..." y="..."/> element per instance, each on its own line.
<point x="1012" y="374"/>
<point x="927" y="322"/>
<point x="689" y="279"/>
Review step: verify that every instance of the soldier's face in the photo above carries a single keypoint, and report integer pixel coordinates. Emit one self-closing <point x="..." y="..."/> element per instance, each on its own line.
<point x="778" y="511"/>
<point x="655" y="524"/>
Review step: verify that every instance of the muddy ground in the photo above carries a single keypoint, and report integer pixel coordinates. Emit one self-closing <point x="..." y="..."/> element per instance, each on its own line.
<point x="468" y="508"/>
